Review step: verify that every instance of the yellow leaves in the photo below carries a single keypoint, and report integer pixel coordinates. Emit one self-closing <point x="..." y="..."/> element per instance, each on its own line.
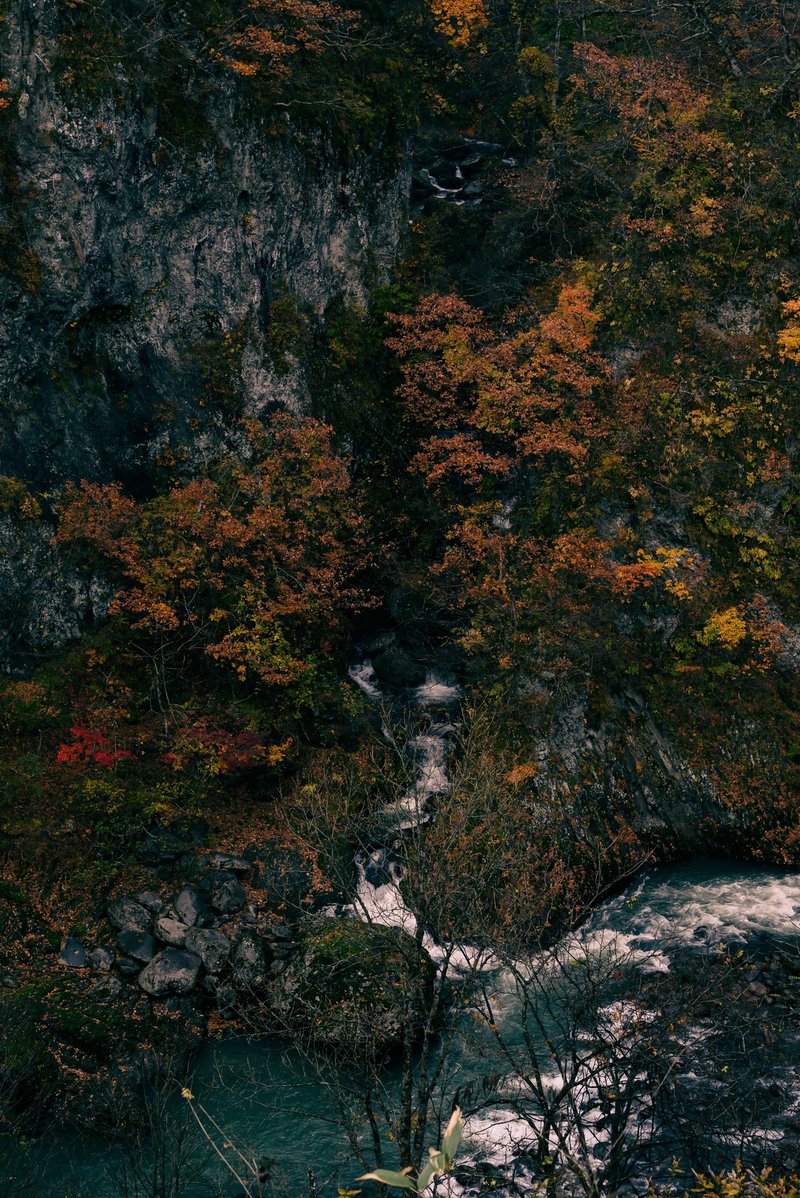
<point x="277" y="753"/>
<point x="678" y="589"/>
<point x="715" y="422"/>
<point x="664" y="565"/>
<point x="789" y="336"/>
<point x="522" y="772"/>
<point x="460" y="21"/>
<point x="704" y="214"/>
<point x="727" y="629"/>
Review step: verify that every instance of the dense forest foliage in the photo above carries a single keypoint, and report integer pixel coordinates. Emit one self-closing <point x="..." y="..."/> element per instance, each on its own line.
<point x="567" y="425"/>
<point x="554" y="454"/>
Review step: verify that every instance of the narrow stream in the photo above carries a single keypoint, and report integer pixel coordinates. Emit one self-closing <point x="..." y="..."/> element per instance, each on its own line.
<point x="264" y="1095"/>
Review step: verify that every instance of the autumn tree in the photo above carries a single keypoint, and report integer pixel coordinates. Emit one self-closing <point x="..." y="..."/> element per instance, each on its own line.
<point x="251" y="570"/>
<point x="277" y="30"/>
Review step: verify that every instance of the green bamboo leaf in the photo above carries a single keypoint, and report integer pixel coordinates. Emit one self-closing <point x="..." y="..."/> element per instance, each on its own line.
<point x="389" y="1178"/>
<point x="453" y="1132"/>
<point x="424" y="1177"/>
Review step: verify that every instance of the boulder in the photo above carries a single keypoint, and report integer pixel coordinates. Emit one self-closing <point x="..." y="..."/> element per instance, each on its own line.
<point x="101" y="958"/>
<point x="128" y="967"/>
<point x="227" y="893"/>
<point x="172" y="971"/>
<point x="396" y="669"/>
<point x="250" y="963"/>
<point x="129" y="916"/>
<point x="73" y="954"/>
<point x="234" y="865"/>
<point x="141" y="946"/>
<point x="191" y="907"/>
<point x="352" y="986"/>
<point x="171" y="930"/>
<point x="212" y="947"/>
<point x="150" y="901"/>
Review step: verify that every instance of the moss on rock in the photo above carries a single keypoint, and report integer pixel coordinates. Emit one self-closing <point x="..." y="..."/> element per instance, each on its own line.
<point x="355" y="988"/>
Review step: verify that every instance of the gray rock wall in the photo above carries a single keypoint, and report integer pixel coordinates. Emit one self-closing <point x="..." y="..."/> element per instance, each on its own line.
<point x="139" y="276"/>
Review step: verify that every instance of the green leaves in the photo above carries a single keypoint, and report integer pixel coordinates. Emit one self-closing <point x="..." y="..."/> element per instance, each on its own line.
<point x="441" y="1161"/>
<point x="389" y="1178"/>
<point x="452" y="1135"/>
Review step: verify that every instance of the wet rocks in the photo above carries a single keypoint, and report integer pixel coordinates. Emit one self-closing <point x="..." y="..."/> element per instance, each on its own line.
<point x="172" y="971"/>
<point x="454" y="172"/>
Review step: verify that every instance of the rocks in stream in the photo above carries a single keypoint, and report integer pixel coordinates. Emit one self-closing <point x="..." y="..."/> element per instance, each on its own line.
<point x="455" y="172"/>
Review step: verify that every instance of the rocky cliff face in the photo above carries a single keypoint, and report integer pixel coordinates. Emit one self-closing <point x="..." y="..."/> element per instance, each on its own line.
<point x="160" y="277"/>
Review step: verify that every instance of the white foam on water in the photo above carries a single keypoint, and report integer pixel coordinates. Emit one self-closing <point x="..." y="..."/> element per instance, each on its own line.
<point x="432" y="776"/>
<point x="637" y="927"/>
<point x="615" y="946"/>
<point x="498" y="1135"/>
<point x="409" y="811"/>
<point x="385" y="906"/>
<point x="704" y="911"/>
<point x="434" y="691"/>
<point x="365" y="678"/>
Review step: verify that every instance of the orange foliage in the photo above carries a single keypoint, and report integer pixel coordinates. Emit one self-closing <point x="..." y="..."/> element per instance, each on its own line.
<point x="460" y="21"/>
<point x="278" y="29"/>
<point x="251" y="568"/>
<point x="533" y="389"/>
<point x="646" y="92"/>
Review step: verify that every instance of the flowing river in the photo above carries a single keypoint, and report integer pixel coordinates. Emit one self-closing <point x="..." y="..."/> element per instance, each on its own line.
<point x="265" y="1097"/>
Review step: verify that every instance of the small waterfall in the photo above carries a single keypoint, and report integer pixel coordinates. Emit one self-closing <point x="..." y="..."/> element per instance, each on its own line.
<point x="379" y="873"/>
